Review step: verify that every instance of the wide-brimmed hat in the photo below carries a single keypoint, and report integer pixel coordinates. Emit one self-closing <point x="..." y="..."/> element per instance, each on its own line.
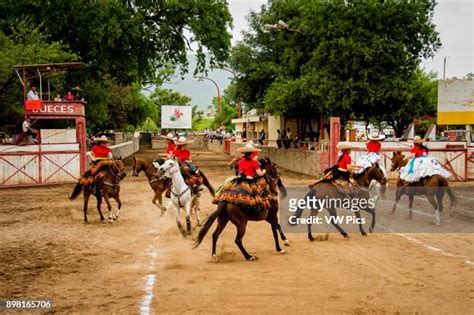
<point x="182" y="141"/>
<point x="343" y="146"/>
<point x="375" y="135"/>
<point x="102" y="138"/>
<point x="76" y="88"/>
<point x="418" y="139"/>
<point x="249" y="147"/>
<point x="169" y="136"/>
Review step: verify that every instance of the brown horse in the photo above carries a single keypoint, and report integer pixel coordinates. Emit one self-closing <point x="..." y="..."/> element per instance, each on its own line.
<point x="156" y="183"/>
<point x="328" y="190"/>
<point x="108" y="187"/>
<point x="433" y="187"/>
<point x="239" y="216"/>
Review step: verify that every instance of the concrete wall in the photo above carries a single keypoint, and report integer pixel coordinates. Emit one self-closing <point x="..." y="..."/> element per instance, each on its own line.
<point x="123" y="150"/>
<point x="301" y="161"/>
<point x="158" y="143"/>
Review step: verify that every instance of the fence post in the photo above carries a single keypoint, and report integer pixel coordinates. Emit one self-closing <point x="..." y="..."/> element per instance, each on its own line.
<point x="334" y="136"/>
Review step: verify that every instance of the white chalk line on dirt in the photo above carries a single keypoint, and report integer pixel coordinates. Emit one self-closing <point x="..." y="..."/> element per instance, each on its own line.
<point x="467" y="260"/>
<point x="149" y="284"/>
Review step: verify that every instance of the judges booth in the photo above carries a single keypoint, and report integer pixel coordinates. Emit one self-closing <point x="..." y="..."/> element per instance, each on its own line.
<point x="60" y="155"/>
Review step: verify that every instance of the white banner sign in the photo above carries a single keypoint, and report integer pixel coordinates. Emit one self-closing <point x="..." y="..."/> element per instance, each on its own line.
<point x="456" y="102"/>
<point x="176" y="117"/>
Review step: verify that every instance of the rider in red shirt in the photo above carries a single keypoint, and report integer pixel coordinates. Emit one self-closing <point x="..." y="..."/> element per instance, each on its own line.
<point x="419" y="150"/>
<point x="183" y="154"/>
<point x="374" y="146"/>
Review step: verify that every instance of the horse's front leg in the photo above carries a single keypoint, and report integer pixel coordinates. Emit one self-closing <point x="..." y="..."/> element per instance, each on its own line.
<point x="273" y="220"/>
<point x="398" y="195"/>
<point x="119" y="203"/>
<point x="109" y="208"/>
<point x="197" y="210"/>
<point x="411" y="196"/>
<point x="159" y="205"/>
<point x="333" y="216"/>
<point x="86" y="195"/>
<point x="359" y="220"/>
<point x="99" y="204"/>
<point x="178" y="216"/>
<point x="188" y="207"/>
<point x="436" y="207"/>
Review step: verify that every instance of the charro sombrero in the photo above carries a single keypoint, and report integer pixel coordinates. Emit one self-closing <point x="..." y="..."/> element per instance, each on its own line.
<point x="248" y="148"/>
<point x="102" y="138"/>
<point x="169" y="136"/>
<point x="343" y="146"/>
<point x="418" y="139"/>
<point x="76" y="88"/>
<point x="375" y="135"/>
<point x="182" y="141"/>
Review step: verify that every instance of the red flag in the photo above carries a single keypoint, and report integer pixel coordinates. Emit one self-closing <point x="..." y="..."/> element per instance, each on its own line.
<point x="33" y="104"/>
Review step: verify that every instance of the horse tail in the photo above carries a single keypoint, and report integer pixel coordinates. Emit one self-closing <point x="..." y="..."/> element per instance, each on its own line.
<point x="208" y="223"/>
<point x="207" y="184"/>
<point x="282" y="187"/>
<point x="77" y="190"/>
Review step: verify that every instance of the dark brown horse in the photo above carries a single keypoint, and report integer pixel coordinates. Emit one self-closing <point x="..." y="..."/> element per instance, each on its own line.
<point x="433" y="187"/>
<point x="239" y="216"/>
<point x="156" y="183"/>
<point x="108" y="187"/>
<point x="329" y="191"/>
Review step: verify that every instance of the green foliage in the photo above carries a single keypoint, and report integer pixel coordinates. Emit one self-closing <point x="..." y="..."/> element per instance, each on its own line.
<point x="228" y="108"/>
<point x="130" y="40"/>
<point x="203" y="124"/>
<point x="349" y="58"/>
<point x="149" y="125"/>
<point x="124" y="43"/>
<point x="25" y="45"/>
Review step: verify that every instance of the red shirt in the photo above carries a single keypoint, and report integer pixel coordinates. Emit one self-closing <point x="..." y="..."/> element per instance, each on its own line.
<point x="344" y="161"/>
<point x="182" y="155"/>
<point x="254" y="154"/>
<point x="171" y="147"/>
<point x="69" y="98"/>
<point x="248" y="167"/>
<point x="100" y="151"/>
<point x="418" y="151"/>
<point x="374" y="146"/>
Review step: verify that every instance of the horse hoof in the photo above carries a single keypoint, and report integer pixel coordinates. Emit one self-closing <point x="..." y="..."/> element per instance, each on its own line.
<point x="311" y="239"/>
<point x="86" y="222"/>
<point x="281" y="252"/>
<point x="111" y="220"/>
<point x="252" y="258"/>
<point x="103" y="221"/>
<point x="286" y="243"/>
<point x="215" y="259"/>
<point x="371" y="230"/>
<point x="345" y="235"/>
<point x="364" y="234"/>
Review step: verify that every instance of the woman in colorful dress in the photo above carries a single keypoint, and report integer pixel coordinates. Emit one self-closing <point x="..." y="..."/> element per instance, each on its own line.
<point x="249" y="189"/>
<point x="101" y="156"/>
<point x="373" y="152"/>
<point x="343" y="166"/>
<point x="421" y="165"/>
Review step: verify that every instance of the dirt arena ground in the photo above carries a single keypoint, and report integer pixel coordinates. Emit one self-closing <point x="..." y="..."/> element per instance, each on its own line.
<point x="141" y="263"/>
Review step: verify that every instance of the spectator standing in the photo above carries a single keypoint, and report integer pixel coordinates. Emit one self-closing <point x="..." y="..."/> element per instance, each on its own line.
<point x="58" y="98"/>
<point x="32" y="94"/>
<point x="288" y="137"/>
<point x="279" y="139"/>
<point x="261" y="137"/>
<point x="244" y="135"/>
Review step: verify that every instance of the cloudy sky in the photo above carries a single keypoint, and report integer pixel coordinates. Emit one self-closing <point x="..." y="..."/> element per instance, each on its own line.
<point x="454" y="20"/>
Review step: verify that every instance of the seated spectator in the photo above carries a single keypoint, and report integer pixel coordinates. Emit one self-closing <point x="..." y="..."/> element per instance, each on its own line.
<point x="69" y="97"/>
<point x="32" y="94"/>
<point x="78" y="97"/>
<point x="58" y="98"/>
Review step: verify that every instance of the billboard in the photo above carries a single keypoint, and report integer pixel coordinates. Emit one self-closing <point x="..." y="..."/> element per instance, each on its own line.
<point x="176" y="117"/>
<point x="456" y="102"/>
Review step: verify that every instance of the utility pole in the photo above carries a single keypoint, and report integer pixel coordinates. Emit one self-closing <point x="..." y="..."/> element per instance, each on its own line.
<point x="444" y="68"/>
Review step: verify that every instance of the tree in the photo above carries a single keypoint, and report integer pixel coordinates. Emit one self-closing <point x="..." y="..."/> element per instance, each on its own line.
<point x="26" y="45"/>
<point x="228" y="108"/>
<point x="130" y="40"/>
<point x="348" y="58"/>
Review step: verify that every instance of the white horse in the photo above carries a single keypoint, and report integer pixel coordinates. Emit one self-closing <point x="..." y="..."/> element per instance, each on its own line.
<point x="181" y="195"/>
